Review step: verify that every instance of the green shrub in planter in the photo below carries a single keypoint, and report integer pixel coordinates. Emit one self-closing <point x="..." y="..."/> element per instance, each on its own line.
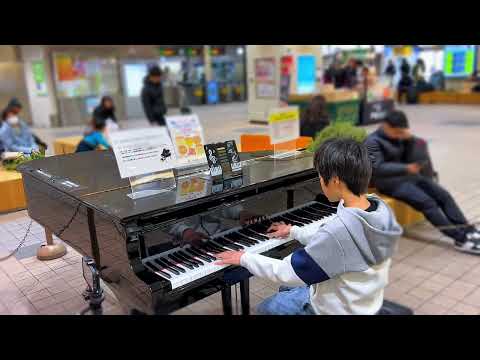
<point x="11" y="165"/>
<point x="338" y="130"/>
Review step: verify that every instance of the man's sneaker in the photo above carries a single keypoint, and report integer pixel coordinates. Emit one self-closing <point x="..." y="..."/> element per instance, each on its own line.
<point x="471" y="246"/>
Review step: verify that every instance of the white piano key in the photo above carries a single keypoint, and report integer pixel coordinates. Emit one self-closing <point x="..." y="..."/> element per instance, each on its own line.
<point x="207" y="268"/>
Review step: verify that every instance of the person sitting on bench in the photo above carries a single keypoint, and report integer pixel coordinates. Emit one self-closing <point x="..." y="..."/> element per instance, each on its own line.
<point x="395" y="176"/>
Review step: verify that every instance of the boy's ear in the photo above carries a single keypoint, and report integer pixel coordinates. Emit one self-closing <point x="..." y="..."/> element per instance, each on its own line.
<point x="335" y="180"/>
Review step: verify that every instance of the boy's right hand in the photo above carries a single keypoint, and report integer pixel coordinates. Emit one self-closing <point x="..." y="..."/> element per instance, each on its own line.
<point x="279" y="230"/>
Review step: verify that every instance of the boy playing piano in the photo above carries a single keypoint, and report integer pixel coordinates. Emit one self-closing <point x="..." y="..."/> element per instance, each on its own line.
<point x="344" y="266"/>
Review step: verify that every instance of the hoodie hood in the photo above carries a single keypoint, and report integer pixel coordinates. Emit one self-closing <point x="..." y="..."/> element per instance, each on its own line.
<point x="375" y="234"/>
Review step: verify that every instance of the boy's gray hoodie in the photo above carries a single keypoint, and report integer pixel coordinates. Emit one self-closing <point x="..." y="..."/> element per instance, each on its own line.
<point x="345" y="261"/>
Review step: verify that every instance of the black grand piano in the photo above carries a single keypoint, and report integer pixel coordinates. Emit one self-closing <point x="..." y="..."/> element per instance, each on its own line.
<point x="135" y="243"/>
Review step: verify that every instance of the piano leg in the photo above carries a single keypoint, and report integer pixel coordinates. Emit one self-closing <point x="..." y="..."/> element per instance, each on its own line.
<point x="93" y="237"/>
<point x="245" y="296"/>
<point x="227" y="301"/>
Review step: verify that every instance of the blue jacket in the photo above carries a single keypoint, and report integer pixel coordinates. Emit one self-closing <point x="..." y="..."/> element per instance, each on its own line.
<point x="17" y="139"/>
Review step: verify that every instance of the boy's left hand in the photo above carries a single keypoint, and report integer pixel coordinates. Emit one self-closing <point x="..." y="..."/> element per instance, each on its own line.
<point x="229" y="258"/>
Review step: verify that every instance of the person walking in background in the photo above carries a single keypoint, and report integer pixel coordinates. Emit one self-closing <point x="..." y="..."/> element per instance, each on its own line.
<point x="153" y="100"/>
<point x="315" y="117"/>
<point x="95" y="138"/>
<point x="390" y="72"/>
<point x="106" y="112"/>
<point x="419" y="71"/>
<point x="405" y="68"/>
<point x="15" y="135"/>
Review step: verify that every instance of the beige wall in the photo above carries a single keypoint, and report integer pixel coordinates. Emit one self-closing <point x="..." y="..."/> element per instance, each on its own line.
<point x="258" y="108"/>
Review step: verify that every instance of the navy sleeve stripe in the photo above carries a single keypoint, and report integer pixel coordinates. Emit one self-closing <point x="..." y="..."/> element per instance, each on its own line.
<point x="307" y="269"/>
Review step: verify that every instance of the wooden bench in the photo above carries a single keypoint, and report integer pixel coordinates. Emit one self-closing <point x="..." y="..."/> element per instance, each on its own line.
<point x="449" y="97"/>
<point x="405" y="214"/>
<point x="12" y="195"/>
<point x="67" y="145"/>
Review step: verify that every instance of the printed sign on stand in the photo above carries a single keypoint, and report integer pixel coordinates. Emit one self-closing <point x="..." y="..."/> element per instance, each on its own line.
<point x="187" y="135"/>
<point x="145" y="157"/>
<point x="223" y="160"/>
<point x="284" y="124"/>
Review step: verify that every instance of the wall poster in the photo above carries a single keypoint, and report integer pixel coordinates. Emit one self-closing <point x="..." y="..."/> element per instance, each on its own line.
<point x="265" y="78"/>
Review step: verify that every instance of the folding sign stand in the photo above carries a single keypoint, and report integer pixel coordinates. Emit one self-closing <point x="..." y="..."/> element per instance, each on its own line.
<point x="146" y="157"/>
<point x="224" y="163"/>
<point x="151" y="184"/>
<point x="284" y="124"/>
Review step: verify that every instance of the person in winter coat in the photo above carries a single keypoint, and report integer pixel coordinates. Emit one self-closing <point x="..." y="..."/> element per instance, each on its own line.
<point x="153" y="100"/>
<point x="396" y="175"/>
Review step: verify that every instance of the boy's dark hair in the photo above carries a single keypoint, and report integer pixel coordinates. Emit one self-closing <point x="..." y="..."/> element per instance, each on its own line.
<point x="348" y="159"/>
<point x="397" y="119"/>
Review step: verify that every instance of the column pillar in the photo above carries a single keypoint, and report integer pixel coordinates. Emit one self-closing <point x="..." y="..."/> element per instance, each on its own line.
<point x="42" y="106"/>
<point x="207" y="61"/>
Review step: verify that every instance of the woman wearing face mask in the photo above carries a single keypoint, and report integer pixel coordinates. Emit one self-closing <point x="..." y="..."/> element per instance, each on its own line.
<point x="16" y="135"/>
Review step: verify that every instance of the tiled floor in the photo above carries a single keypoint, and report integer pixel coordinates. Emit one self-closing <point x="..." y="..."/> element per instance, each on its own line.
<point x="427" y="274"/>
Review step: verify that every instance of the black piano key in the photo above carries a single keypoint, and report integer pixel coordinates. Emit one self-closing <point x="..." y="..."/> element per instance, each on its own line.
<point x="243" y="242"/>
<point x="322" y="207"/>
<point x="227" y="243"/>
<point x="171" y="264"/>
<point x="180" y="261"/>
<point x="184" y="258"/>
<point x="217" y="248"/>
<point x="290" y="222"/>
<point x="319" y="214"/>
<point x="248" y="232"/>
<point x="241" y="236"/>
<point x="166" y="267"/>
<point x="191" y="258"/>
<point x="237" y="236"/>
<point x="303" y="215"/>
<point x="306" y="215"/>
<point x="204" y="253"/>
<point x="199" y="255"/>
<point x="207" y="247"/>
<point x="298" y="219"/>
<point x="163" y="273"/>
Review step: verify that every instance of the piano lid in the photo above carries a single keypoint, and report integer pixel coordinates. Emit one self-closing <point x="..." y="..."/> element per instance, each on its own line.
<point x="93" y="178"/>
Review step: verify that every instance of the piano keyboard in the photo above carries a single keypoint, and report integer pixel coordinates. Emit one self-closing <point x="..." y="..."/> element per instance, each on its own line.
<point x="181" y="266"/>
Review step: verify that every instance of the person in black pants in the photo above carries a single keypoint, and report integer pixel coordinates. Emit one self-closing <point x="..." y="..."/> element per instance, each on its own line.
<point x="389" y="148"/>
<point x="153" y="100"/>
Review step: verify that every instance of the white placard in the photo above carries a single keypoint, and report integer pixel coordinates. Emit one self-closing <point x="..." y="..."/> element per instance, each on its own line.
<point x="143" y="151"/>
<point x="186" y="133"/>
<point x="284" y="124"/>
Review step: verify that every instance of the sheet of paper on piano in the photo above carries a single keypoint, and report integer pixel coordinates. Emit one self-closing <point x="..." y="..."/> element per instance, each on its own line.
<point x="143" y="151"/>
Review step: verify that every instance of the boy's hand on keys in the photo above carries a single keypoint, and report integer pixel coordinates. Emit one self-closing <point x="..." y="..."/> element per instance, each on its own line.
<point x="229" y="258"/>
<point x="279" y="230"/>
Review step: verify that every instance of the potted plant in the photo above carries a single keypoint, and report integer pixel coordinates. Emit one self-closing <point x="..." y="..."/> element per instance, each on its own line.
<point x="338" y="130"/>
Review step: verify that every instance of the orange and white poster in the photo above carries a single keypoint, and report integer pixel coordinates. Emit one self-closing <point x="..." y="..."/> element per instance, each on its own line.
<point x="187" y="137"/>
<point x="65" y="70"/>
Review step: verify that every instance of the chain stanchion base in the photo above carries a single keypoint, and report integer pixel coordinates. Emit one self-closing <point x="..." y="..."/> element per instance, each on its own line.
<point x="51" y="252"/>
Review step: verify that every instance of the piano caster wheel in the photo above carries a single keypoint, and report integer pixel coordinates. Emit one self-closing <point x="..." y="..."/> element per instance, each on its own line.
<point x="51" y="252"/>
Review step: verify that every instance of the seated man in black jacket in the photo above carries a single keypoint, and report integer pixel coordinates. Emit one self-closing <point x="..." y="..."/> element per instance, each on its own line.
<point x="394" y="176"/>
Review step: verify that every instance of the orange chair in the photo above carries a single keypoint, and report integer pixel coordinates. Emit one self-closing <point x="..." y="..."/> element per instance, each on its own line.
<point x="252" y="143"/>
